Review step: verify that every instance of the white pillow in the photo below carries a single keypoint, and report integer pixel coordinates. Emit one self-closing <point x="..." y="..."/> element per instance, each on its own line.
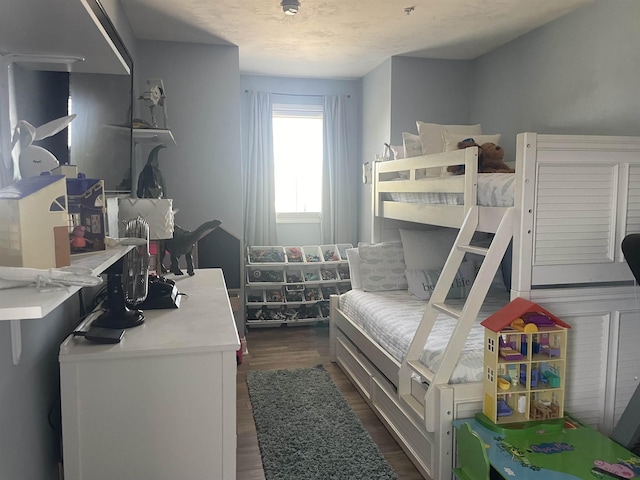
<point x="398" y="151"/>
<point x="451" y="139"/>
<point x="382" y="267"/>
<point x="354" y="268"/>
<point x="412" y="145"/>
<point x="427" y="249"/>
<point x="431" y="135"/>
<point x="423" y="282"/>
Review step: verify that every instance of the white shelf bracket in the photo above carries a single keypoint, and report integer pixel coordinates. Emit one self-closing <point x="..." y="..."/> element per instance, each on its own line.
<point x="16" y="341"/>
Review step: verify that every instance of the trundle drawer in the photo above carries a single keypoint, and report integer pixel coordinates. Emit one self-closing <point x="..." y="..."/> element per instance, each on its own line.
<point x="355" y="364"/>
<point x="411" y="436"/>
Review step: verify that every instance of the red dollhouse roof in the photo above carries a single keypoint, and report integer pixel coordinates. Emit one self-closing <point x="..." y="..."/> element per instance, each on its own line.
<point x="515" y="309"/>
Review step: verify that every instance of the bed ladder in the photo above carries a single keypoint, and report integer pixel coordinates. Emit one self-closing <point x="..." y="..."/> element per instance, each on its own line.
<point x="465" y="317"/>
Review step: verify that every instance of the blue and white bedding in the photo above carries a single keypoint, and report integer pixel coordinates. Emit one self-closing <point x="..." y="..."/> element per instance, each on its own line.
<point x="392" y="317"/>
<point x="494" y="190"/>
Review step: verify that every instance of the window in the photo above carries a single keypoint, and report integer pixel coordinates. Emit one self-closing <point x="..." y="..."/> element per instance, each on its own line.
<point x="297" y="150"/>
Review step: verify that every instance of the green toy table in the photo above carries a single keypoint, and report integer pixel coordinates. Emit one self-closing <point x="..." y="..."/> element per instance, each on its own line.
<point x="562" y="449"/>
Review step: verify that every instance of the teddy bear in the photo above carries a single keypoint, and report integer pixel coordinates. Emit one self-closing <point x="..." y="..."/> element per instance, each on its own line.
<point x="490" y="158"/>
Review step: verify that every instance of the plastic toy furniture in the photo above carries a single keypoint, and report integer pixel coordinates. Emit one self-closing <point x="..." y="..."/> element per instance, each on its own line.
<point x="503" y="409"/>
<point x="473" y="463"/>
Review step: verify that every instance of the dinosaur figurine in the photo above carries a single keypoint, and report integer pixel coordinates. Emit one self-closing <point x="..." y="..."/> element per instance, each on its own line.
<point x="182" y="243"/>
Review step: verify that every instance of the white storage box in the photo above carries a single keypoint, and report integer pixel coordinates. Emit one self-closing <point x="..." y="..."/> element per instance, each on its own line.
<point x="158" y="212"/>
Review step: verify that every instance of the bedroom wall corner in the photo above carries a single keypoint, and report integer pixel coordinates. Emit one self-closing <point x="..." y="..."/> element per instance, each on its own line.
<point x="575" y="75"/>
<point x="376" y="130"/>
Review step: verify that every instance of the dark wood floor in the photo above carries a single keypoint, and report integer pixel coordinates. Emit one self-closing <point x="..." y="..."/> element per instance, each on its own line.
<point x="297" y="347"/>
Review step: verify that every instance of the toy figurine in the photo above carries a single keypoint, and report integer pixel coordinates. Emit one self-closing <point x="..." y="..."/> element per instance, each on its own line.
<point x="182" y="243"/>
<point x="77" y="240"/>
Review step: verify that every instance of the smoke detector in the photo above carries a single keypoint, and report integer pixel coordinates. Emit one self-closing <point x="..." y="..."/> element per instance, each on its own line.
<point x="290" y="7"/>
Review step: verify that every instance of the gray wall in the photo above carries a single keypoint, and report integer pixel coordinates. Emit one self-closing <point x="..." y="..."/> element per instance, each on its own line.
<point x="376" y="130"/>
<point x="576" y="75"/>
<point x="30" y="391"/>
<point x="437" y="91"/>
<point x="203" y="171"/>
<point x="30" y="396"/>
<point x="401" y="91"/>
<point x="302" y="90"/>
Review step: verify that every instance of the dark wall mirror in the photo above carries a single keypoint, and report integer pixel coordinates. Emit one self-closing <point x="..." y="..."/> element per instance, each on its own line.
<point x="99" y="140"/>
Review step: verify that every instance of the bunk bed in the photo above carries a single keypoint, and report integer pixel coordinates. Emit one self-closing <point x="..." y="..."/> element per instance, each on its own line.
<point x="574" y="198"/>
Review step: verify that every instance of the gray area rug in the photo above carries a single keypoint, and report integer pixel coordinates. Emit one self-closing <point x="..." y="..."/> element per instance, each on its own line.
<point x="307" y="430"/>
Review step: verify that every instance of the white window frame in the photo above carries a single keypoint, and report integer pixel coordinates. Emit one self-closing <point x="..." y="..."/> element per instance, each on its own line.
<point x="297" y="110"/>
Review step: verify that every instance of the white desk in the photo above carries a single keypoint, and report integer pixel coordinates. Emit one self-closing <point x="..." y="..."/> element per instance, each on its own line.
<point x="160" y="405"/>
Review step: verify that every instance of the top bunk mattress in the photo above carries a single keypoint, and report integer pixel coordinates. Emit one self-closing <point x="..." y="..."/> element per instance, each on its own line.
<point x="392" y="317"/>
<point x="494" y="190"/>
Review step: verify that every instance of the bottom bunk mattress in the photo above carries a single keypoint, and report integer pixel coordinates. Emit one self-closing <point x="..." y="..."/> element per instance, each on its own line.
<point x="392" y="317"/>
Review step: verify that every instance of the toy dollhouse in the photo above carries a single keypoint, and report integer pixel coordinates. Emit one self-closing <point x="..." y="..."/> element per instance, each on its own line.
<point x="525" y="357"/>
<point x="34" y="230"/>
<point x="86" y="214"/>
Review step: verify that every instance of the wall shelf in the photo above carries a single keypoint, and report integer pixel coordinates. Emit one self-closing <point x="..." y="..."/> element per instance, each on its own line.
<point x="26" y="303"/>
<point x="157" y="136"/>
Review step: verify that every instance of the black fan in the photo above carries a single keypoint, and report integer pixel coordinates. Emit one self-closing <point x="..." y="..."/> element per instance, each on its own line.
<point x="127" y="282"/>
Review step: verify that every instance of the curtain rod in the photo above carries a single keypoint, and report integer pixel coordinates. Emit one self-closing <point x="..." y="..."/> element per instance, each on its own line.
<point x="297" y="94"/>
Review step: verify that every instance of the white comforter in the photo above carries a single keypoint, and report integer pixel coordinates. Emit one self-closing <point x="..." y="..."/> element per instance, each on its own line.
<point x="391" y="319"/>
<point x="494" y="190"/>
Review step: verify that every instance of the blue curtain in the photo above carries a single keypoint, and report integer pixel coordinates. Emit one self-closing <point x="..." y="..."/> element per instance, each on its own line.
<point x="339" y="187"/>
<point x="259" y="195"/>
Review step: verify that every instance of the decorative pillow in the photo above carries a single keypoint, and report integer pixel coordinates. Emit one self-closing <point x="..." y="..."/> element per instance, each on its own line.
<point x="423" y="282"/>
<point x="499" y="281"/>
<point x="412" y="145"/>
<point x="451" y="139"/>
<point x="382" y="267"/>
<point x="354" y="268"/>
<point x="431" y="135"/>
<point x="398" y="151"/>
<point x="427" y="249"/>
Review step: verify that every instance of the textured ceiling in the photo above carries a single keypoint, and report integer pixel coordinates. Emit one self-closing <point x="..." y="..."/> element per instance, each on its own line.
<point x="342" y="38"/>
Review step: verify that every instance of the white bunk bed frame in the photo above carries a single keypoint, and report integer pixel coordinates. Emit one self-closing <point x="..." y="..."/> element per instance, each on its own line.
<point x="575" y="199"/>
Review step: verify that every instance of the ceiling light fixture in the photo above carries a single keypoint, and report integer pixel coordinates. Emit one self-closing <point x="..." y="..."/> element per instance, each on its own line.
<point x="290" y="7"/>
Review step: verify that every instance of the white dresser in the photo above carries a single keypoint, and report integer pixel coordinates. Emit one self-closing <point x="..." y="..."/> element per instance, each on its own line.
<point x="160" y="405"/>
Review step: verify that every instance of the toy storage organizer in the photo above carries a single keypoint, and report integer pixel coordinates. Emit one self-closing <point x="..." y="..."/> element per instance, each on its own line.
<point x="292" y="284"/>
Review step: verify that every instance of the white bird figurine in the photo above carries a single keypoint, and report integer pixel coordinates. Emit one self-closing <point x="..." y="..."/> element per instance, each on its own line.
<point x="33" y="159"/>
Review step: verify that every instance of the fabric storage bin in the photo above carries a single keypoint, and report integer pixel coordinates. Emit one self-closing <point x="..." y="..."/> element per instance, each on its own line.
<point x="294" y="276"/>
<point x="254" y="296"/>
<point x="312" y="275"/>
<point x="342" y="250"/>
<point x="330" y="253"/>
<point x="274" y="295"/>
<point x="312" y="254"/>
<point x="328" y="291"/>
<point x="258" y="275"/>
<point x="266" y="255"/>
<point x="312" y="294"/>
<point x="294" y="293"/>
<point x="329" y="274"/>
<point x="294" y="254"/>
<point x="344" y="273"/>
